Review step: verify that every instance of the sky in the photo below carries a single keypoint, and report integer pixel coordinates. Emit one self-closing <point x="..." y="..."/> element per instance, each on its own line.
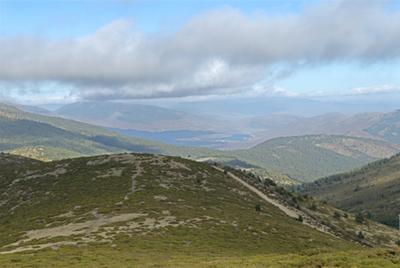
<point x="65" y="51"/>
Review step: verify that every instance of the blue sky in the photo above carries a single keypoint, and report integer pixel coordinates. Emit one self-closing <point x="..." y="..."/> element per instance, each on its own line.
<point x="45" y="23"/>
<point x="342" y="78"/>
<point x="62" y="18"/>
<point x="71" y="18"/>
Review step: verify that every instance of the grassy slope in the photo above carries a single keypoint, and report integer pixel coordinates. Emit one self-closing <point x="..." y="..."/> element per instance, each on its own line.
<point x="11" y="112"/>
<point x="50" y="138"/>
<point x="307" y="158"/>
<point x="24" y="134"/>
<point x="373" y="189"/>
<point x="104" y="256"/>
<point x="188" y="209"/>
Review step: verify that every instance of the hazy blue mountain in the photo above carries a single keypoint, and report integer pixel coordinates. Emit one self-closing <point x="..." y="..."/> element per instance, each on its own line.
<point x="33" y="109"/>
<point x="249" y="107"/>
<point x="232" y="124"/>
<point x="195" y="138"/>
<point x="133" y="116"/>
<point x="299" y="106"/>
<point x="387" y="127"/>
<point x="273" y="126"/>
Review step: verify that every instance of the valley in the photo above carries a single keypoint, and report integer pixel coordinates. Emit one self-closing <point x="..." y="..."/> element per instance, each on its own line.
<point x="288" y="159"/>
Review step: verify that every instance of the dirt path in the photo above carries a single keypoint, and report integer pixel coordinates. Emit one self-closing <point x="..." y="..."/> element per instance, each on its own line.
<point x="291" y="212"/>
<point x="133" y="180"/>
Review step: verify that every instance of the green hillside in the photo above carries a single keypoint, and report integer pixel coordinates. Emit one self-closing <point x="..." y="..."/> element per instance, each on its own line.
<point x="52" y="138"/>
<point x="373" y="190"/>
<point x="24" y="134"/>
<point x="155" y="211"/>
<point x="11" y="112"/>
<point x="308" y="158"/>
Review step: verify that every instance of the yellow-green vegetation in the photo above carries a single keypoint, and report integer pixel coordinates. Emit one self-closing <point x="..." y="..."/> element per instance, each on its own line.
<point x="43" y="153"/>
<point x="106" y="256"/>
<point x="144" y="210"/>
<point x="373" y="191"/>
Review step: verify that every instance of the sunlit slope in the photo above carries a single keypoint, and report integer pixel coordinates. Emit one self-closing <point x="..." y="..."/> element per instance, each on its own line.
<point x="144" y="209"/>
<point x="153" y="198"/>
<point x="307" y="158"/>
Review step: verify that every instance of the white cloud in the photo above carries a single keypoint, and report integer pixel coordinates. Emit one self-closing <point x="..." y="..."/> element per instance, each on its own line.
<point x="377" y="89"/>
<point x="272" y="90"/>
<point x="216" y="53"/>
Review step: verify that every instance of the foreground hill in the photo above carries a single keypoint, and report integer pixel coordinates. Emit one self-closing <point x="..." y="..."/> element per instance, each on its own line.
<point x="373" y="190"/>
<point x="307" y="158"/>
<point x="145" y="210"/>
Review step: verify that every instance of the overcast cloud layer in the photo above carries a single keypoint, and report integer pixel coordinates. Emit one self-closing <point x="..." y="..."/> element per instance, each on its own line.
<point x="220" y="52"/>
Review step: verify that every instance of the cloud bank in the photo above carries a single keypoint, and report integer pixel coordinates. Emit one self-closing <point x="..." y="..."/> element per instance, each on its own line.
<point x="377" y="89"/>
<point x="216" y="53"/>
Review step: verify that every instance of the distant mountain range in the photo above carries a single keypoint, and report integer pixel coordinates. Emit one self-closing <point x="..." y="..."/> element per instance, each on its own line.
<point x="273" y="126"/>
<point x="243" y="129"/>
<point x="300" y="106"/>
<point x="303" y="158"/>
<point x="373" y="190"/>
<point x="155" y="123"/>
<point x="133" y="116"/>
<point x="49" y="138"/>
